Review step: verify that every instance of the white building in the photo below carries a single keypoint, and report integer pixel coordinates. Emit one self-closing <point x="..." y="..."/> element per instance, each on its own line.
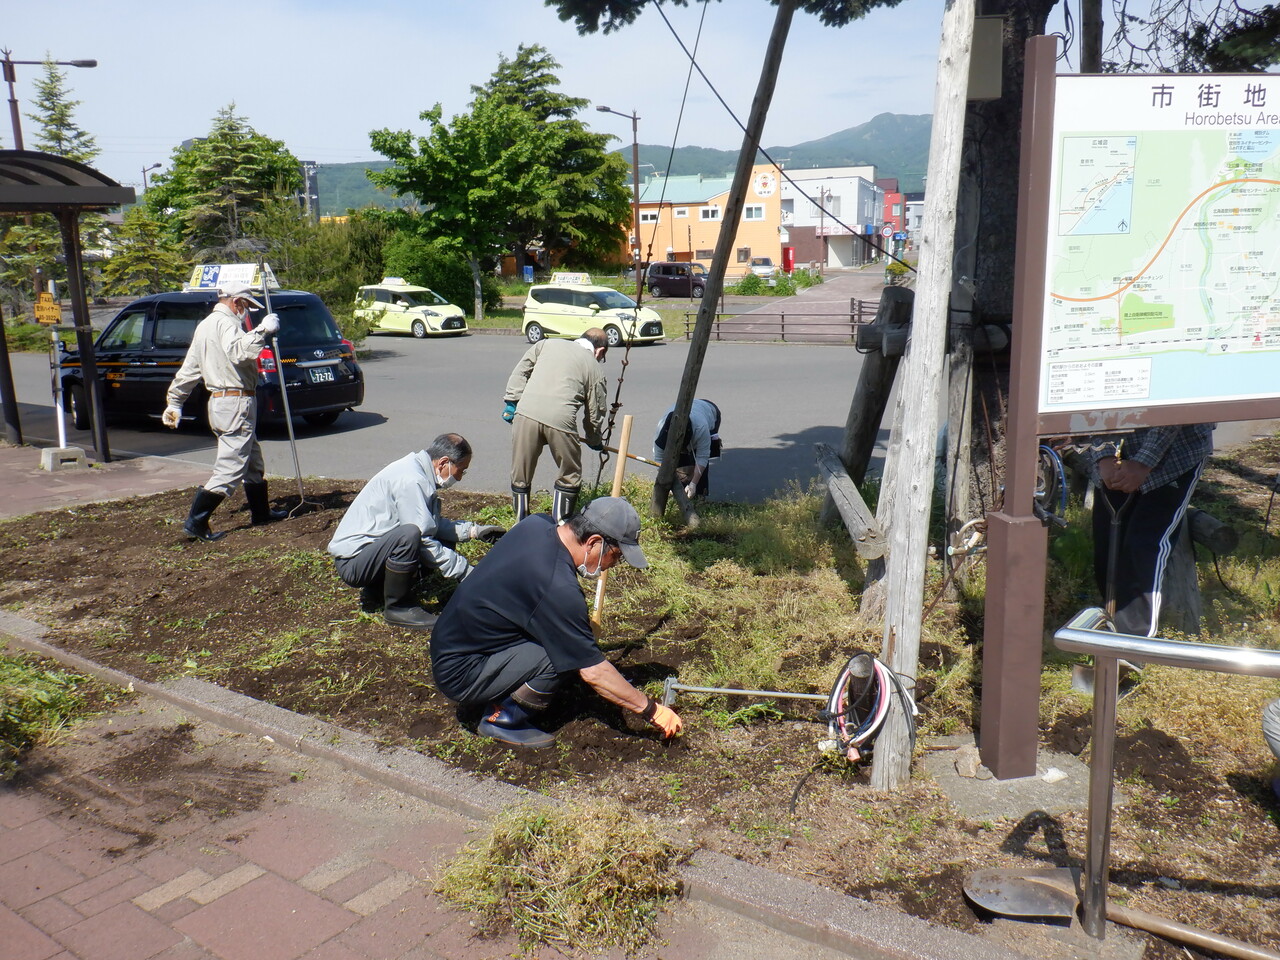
<point x="827" y="209"/>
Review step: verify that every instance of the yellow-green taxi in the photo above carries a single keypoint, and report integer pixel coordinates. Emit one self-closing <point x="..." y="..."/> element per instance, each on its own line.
<point x="394" y="306"/>
<point x="570" y="309"/>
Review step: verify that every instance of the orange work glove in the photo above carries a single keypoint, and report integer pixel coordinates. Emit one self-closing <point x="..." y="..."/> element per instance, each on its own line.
<point x="664" y="718"/>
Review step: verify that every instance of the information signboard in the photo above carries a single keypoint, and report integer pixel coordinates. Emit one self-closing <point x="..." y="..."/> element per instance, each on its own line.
<point x="1162" y="267"/>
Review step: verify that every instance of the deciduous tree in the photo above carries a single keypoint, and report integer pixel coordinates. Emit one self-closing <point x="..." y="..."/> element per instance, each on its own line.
<point x="469" y="176"/>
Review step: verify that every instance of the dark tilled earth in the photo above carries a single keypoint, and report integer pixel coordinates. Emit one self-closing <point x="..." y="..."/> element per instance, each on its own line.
<point x="262" y="613"/>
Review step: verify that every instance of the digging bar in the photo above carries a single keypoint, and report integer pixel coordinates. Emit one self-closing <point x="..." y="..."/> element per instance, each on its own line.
<point x="284" y="392"/>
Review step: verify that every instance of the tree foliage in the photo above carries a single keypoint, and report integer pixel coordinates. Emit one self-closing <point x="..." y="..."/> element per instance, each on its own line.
<point x="54" y="115"/>
<point x="469" y="176"/>
<point x="220" y="181"/>
<point x="610" y="15"/>
<point x="438" y="264"/>
<point x="1192" y="36"/>
<point x="31" y="247"/>
<point x="586" y="202"/>
<point x="144" y="258"/>
<point x="329" y="259"/>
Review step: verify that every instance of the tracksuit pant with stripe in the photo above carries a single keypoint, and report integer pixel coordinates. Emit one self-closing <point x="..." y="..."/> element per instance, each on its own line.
<point x="1148" y="532"/>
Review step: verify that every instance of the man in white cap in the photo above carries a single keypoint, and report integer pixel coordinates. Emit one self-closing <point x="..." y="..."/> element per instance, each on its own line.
<point x="224" y="354"/>
<point x="518" y="626"/>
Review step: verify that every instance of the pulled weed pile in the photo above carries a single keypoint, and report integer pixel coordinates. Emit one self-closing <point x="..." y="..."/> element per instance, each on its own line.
<point x="589" y="876"/>
<point x="35" y="705"/>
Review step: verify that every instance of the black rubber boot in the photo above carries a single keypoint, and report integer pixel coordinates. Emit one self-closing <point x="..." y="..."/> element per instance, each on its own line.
<point x="563" y="501"/>
<point x="260" y="510"/>
<point x="520" y="502"/>
<point x="401" y="609"/>
<point x="508" y="723"/>
<point x="196" y="525"/>
<point x="371" y="598"/>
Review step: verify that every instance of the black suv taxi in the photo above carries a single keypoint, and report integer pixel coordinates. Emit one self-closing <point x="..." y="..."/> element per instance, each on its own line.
<point x="144" y="345"/>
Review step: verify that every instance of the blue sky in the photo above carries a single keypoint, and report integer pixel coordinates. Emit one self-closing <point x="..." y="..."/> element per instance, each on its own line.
<point x="320" y="75"/>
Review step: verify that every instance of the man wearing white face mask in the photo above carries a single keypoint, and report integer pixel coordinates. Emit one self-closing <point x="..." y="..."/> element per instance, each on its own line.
<point x="393" y="529"/>
<point x="224" y="354"/>
<point x="513" y="631"/>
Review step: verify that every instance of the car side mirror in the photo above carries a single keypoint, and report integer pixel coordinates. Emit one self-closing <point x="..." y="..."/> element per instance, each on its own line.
<point x="595" y="307"/>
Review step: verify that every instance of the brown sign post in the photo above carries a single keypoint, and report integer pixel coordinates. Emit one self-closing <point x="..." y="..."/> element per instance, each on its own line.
<point x="1142" y="298"/>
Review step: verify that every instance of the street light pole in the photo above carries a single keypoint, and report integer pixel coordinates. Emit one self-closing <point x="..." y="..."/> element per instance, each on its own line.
<point x="10" y="77"/>
<point x="145" y="170"/>
<point x="635" y="185"/>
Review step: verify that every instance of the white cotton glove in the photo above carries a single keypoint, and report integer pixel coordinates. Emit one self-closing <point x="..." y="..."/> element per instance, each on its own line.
<point x="171" y="417"/>
<point x="269" y="326"/>
<point x="690" y="489"/>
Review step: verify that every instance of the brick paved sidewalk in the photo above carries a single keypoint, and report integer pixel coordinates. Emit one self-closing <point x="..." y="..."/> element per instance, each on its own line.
<point x="147" y="835"/>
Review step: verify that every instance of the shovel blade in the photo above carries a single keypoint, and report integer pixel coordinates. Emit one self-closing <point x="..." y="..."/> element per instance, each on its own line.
<point x="1024" y="893"/>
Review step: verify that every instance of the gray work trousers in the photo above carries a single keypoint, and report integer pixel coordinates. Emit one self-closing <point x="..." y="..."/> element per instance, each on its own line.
<point x="233" y="421"/>
<point x="401" y="547"/>
<point x="493" y="676"/>
<point x="528" y="437"/>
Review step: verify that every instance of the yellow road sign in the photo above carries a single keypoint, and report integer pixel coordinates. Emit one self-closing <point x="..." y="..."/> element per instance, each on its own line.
<point x="47" y="309"/>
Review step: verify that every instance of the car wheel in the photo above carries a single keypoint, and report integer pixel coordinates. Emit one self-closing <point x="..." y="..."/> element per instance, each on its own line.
<point x="326" y="419"/>
<point x="534" y="332"/>
<point x="419" y="329"/>
<point x="697" y="293"/>
<point x="613" y="335"/>
<point x="79" y="406"/>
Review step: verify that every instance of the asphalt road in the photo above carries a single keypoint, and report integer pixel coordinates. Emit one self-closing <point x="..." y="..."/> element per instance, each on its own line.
<point x="777" y="400"/>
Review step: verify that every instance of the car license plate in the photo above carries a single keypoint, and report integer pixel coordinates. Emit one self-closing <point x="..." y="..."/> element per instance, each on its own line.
<point x="321" y="375"/>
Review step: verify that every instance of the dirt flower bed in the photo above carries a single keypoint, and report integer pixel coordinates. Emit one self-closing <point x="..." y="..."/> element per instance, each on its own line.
<point x="758" y="596"/>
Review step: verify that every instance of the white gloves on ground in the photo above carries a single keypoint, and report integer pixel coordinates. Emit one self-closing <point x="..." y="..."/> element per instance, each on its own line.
<point x="171" y="417"/>
<point x="269" y="326"/>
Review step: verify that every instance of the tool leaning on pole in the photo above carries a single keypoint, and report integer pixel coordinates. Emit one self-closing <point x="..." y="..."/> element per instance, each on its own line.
<point x="284" y="390"/>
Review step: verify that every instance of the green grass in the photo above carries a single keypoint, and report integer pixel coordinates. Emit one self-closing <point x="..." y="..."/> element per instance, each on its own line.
<point x="36" y="704"/>
<point x="499" y="318"/>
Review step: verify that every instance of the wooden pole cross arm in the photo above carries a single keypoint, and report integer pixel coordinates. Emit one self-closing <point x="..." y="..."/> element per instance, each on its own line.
<point x="868" y="538"/>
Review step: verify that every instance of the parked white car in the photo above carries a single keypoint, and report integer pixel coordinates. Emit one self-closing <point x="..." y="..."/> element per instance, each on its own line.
<point x="570" y="309"/>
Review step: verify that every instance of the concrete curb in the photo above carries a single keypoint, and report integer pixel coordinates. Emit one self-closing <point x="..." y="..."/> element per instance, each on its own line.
<point x="863" y="930"/>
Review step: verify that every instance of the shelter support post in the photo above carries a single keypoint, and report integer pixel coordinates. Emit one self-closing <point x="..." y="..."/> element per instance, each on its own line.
<point x="70" y="222"/>
<point x="8" y="396"/>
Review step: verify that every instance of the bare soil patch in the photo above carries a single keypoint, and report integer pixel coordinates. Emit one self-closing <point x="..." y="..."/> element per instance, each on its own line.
<point x="262" y="613"/>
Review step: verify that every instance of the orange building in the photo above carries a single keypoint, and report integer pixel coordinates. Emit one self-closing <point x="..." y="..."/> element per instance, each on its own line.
<point x="680" y="219"/>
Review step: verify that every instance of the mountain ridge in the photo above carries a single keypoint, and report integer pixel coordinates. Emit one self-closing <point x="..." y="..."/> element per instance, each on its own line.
<point x="896" y="144"/>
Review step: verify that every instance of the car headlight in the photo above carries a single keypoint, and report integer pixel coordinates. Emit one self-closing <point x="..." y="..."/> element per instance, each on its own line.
<point x="430" y="313"/>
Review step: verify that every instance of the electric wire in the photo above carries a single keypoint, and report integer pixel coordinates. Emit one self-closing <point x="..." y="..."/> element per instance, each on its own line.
<point x="671" y="154"/>
<point x="869" y="241"/>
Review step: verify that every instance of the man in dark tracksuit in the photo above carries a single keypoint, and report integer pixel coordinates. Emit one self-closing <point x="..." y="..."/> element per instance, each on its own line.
<point x="1149" y="477"/>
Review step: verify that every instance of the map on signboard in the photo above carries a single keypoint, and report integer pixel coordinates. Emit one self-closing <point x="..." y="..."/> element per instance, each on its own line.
<point x="1163" y="267"/>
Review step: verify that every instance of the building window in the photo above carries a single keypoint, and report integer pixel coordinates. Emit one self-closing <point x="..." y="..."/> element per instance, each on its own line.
<point x="744" y="254"/>
<point x="648" y="216"/>
<point x="897" y="209"/>
<point x="832" y="203"/>
<point x="680" y="212"/>
<point x="704" y="254"/>
<point x="754" y="211"/>
<point x="710" y="213"/>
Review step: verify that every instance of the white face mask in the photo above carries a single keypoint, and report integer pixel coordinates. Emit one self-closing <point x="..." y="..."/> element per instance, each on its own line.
<point x="444" y="483"/>
<point x="582" y="567"/>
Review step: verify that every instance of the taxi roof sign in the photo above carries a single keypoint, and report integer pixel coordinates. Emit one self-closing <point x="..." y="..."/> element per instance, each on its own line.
<point x="561" y="277"/>
<point x="210" y="276"/>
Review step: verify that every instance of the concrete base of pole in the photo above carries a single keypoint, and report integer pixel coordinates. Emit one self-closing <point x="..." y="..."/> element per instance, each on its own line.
<point x="62" y="458"/>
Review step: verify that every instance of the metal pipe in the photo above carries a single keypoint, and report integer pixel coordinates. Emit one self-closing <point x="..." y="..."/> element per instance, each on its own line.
<point x="1081" y="635"/>
<point x="670" y="687"/>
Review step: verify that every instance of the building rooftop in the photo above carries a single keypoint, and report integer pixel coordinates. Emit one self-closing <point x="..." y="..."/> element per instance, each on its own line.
<point x="689" y="189"/>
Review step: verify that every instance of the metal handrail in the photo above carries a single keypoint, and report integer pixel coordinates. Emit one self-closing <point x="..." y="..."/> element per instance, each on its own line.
<point x="1083" y="634"/>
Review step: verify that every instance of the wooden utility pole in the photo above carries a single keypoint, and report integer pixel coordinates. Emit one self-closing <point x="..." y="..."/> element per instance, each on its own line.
<point x="679" y="431"/>
<point x="919" y="394"/>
